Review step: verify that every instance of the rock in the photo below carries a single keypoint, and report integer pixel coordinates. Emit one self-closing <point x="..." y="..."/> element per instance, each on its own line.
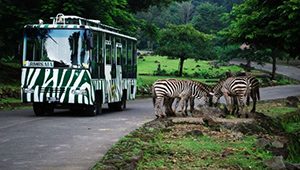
<point x="277" y="144"/>
<point x="291" y="166"/>
<point x="275" y="163"/>
<point x="195" y="133"/>
<point x="191" y="120"/>
<point x="209" y="121"/>
<point x="292" y="101"/>
<point x="208" y="111"/>
<point x="262" y="143"/>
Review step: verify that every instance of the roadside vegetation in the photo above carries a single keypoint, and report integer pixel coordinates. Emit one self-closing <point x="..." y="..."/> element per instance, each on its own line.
<point x="10" y="73"/>
<point x="168" y="145"/>
<point x="152" y="68"/>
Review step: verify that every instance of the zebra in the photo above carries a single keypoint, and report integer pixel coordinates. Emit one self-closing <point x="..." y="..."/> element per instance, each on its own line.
<point x="183" y="89"/>
<point x="233" y="88"/>
<point x="169" y="101"/>
<point x="254" y="92"/>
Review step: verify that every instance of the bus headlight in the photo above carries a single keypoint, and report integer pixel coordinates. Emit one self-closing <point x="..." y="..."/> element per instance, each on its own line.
<point x="79" y="92"/>
<point x="28" y="90"/>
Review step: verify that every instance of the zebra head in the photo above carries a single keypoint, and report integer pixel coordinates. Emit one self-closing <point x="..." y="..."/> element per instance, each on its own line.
<point x="216" y="92"/>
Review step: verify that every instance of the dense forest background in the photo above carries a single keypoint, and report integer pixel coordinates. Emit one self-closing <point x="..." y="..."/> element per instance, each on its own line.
<point x="257" y="30"/>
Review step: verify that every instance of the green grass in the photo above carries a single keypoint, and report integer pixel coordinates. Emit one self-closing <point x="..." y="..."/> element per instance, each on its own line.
<point x="292" y="127"/>
<point x="161" y="150"/>
<point x="148" y="64"/>
<point x="204" y="152"/>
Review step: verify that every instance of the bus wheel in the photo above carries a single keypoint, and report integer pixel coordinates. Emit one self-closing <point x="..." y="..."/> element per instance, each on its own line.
<point x="39" y="109"/>
<point x="117" y="106"/>
<point x="94" y="110"/>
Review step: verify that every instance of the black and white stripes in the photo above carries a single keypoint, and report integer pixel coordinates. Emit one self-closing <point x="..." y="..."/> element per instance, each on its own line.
<point x="172" y="88"/>
<point x="236" y="90"/>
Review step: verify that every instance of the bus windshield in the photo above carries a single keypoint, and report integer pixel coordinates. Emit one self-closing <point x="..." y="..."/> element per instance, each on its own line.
<point x="63" y="47"/>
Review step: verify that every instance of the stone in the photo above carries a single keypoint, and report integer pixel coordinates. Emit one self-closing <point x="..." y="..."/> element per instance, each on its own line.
<point x="262" y="143"/>
<point x="291" y="166"/>
<point x="277" y="144"/>
<point x="195" y="133"/>
<point x="275" y="163"/>
<point x="292" y="101"/>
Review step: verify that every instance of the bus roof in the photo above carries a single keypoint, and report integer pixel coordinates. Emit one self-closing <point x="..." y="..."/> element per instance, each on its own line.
<point x="61" y="22"/>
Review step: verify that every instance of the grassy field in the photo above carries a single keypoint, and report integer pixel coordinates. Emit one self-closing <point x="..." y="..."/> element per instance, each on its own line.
<point x="148" y="65"/>
<point x="203" y="71"/>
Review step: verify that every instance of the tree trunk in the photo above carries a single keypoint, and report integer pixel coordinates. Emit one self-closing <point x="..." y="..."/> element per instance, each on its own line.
<point x="273" y="66"/>
<point x="181" y="61"/>
<point x="248" y="65"/>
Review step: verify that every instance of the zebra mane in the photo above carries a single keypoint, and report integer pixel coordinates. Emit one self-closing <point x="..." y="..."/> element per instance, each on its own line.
<point x="217" y="88"/>
<point x="204" y="86"/>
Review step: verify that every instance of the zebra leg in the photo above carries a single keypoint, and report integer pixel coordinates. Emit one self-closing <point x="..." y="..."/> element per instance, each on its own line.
<point x="168" y="101"/>
<point x="228" y="103"/>
<point x="182" y="104"/>
<point x="176" y="104"/>
<point x="157" y="108"/>
<point x="253" y="96"/>
<point x="192" y="104"/>
<point x="186" y="106"/>
<point x="235" y="105"/>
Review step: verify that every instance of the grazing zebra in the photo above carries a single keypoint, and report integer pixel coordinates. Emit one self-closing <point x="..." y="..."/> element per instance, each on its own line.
<point x="232" y="88"/>
<point x="183" y="89"/>
<point x="254" y="91"/>
<point x="191" y="99"/>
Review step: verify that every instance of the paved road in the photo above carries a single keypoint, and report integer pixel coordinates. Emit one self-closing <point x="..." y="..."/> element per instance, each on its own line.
<point x="289" y="71"/>
<point x="64" y="141"/>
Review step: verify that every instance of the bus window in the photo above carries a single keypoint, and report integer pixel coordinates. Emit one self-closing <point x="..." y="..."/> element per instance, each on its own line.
<point x="101" y="55"/>
<point x="113" y="52"/>
<point x="124" y="58"/>
<point x="124" y="52"/>
<point x="134" y="60"/>
<point x="95" y="51"/>
<point x="108" y="51"/>
<point x="129" y="58"/>
<point x="119" y="50"/>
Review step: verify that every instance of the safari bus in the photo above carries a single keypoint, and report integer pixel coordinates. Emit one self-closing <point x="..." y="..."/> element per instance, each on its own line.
<point x="79" y="64"/>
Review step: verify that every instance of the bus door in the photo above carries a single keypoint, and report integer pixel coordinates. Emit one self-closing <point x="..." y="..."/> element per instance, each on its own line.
<point x="112" y="71"/>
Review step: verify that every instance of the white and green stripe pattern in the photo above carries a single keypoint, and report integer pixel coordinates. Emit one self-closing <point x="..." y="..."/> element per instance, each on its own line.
<point x="61" y="85"/>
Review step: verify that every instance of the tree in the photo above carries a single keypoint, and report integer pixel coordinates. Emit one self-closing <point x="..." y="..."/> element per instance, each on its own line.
<point x="15" y="14"/>
<point x="183" y="41"/>
<point x="142" y="5"/>
<point x="207" y="18"/>
<point x="273" y="25"/>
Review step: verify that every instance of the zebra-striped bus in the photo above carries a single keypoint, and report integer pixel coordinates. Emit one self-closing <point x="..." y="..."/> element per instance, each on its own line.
<point x="77" y="63"/>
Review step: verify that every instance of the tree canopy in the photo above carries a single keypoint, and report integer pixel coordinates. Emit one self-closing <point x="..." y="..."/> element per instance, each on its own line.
<point x="273" y="25"/>
<point x="183" y="41"/>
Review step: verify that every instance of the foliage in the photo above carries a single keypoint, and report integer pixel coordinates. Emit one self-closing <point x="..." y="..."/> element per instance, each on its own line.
<point x="15" y="14"/>
<point x="183" y="42"/>
<point x="266" y="25"/>
<point x="207" y="18"/>
<point x="141" y="5"/>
